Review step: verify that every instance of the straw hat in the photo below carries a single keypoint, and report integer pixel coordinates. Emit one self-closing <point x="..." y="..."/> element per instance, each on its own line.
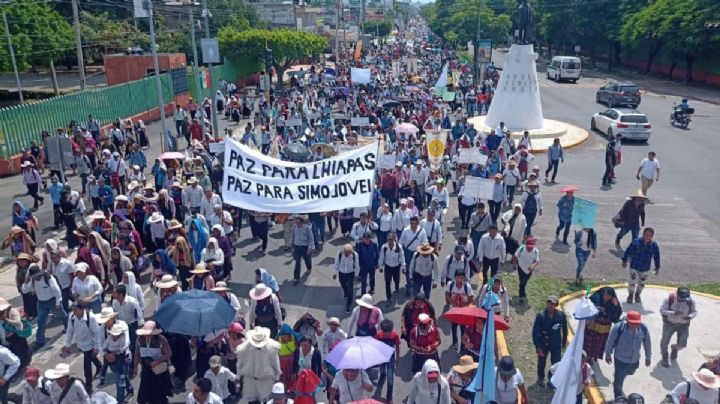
<point x="425" y="249"/>
<point x="333" y="320"/>
<point x="424" y="318"/>
<point x="220" y="286"/>
<point x="60" y="370"/>
<point x="81" y="267"/>
<point x="465" y="364"/>
<point x="639" y="194"/>
<point x="105" y="314"/>
<point x="156" y="217"/>
<point x="192" y="180"/>
<point x="707" y="379"/>
<point x="121" y="198"/>
<point x="133" y="184"/>
<point x="23" y="256"/>
<point x="200" y="269"/>
<point x="258" y="336"/>
<point x="174" y="225"/>
<point x="97" y="215"/>
<point x="260" y="292"/>
<point x="166" y="282"/>
<point x="149" y="328"/>
<point x="117" y="329"/>
<point x="365" y="301"/>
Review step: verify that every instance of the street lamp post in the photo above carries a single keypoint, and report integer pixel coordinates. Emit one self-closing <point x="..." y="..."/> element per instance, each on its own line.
<point x="11" y="50"/>
<point x="213" y="105"/>
<point x="158" y="82"/>
<point x="196" y="66"/>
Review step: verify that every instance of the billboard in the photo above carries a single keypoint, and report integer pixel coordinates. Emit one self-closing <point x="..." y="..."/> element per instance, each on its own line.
<point x="484" y="51"/>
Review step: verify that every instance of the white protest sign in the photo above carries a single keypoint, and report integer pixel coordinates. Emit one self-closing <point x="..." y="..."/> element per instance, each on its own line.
<point x="360" y="76"/>
<point x="360" y="121"/>
<point x="386" y="161"/>
<point x="478" y="187"/>
<point x="217" y="147"/>
<point x="471" y="156"/>
<point x="293" y="122"/>
<point x="258" y="182"/>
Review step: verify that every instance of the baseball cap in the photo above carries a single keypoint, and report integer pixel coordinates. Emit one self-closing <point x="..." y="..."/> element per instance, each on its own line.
<point x="552" y="299"/>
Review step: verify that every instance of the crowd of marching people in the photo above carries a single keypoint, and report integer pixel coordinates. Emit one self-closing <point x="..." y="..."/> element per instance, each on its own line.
<point x="163" y="224"/>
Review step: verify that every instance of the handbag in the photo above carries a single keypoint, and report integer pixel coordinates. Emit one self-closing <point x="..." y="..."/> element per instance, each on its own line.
<point x="160" y="368"/>
<point x="617" y="220"/>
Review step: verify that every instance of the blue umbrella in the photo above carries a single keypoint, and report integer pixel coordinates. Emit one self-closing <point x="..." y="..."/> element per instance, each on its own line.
<point x="195" y="313"/>
<point x="483" y="385"/>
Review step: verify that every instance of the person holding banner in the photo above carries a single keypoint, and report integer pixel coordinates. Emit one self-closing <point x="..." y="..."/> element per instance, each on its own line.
<point x="303" y="244"/>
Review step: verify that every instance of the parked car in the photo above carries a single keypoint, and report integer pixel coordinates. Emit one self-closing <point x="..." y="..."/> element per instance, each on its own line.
<point x="564" y="68"/>
<point x="617" y="93"/>
<point x="630" y="123"/>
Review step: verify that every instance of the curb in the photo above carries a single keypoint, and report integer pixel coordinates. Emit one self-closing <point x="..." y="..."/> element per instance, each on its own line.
<point x="592" y="392"/>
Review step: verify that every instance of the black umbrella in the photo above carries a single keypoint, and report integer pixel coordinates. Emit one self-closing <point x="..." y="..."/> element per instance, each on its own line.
<point x="391" y="104"/>
<point x="297" y="152"/>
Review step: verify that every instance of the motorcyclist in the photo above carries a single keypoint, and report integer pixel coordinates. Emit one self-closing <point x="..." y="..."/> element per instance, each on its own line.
<point x="682" y="108"/>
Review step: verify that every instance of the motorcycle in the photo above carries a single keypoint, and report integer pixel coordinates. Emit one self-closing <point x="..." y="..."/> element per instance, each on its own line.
<point x="680" y="117"/>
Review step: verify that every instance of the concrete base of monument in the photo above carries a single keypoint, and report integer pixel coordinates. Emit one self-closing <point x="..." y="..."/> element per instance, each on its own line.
<point x="541" y="139"/>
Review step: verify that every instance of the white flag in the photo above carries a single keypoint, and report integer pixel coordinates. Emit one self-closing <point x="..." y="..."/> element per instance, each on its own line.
<point x="442" y="80"/>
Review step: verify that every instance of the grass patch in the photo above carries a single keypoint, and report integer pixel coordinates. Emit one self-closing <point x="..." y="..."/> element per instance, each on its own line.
<point x="519" y="338"/>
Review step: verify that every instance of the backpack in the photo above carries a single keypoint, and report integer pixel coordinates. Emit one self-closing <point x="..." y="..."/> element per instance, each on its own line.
<point x="452" y="259"/>
<point x="353" y="259"/>
<point x="530" y="203"/>
<point x="622" y="329"/>
<point x="465" y="287"/>
<point x="671" y="301"/>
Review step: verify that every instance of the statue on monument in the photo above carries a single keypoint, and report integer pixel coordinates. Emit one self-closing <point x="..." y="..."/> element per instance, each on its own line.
<point x="526" y="23"/>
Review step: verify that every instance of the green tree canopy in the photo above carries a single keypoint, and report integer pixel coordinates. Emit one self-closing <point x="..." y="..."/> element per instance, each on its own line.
<point x="39" y="34"/>
<point x="288" y="46"/>
<point x="460" y="21"/>
<point x="381" y="28"/>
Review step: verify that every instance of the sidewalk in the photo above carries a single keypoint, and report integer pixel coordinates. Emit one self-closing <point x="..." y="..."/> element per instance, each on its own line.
<point x="655" y="381"/>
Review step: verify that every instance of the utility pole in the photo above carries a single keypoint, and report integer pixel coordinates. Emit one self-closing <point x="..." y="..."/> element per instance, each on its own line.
<point x="167" y="145"/>
<point x="338" y="6"/>
<point x="11" y="50"/>
<point x="196" y="66"/>
<point x="213" y="106"/>
<point x="78" y="43"/>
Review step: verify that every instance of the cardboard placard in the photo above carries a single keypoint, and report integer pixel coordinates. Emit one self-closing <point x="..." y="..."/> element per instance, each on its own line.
<point x="385" y="161"/>
<point x="478" y="187"/>
<point x="360" y="121"/>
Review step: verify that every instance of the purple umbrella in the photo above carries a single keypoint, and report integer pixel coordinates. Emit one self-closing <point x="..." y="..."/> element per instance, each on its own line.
<point x="359" y="353"/>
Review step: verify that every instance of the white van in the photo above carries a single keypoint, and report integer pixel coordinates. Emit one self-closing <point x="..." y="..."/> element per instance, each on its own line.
<point x="564" y="68"/>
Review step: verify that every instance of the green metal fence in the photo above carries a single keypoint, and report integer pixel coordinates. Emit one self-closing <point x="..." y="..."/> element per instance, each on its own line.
<point x="20" y="125"/>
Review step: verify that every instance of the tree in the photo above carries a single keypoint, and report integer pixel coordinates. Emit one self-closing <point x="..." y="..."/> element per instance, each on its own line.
<point x="690" y="38"/>
<point x="288" y="46"/>
<point x="379" y="28"/>
<point x="237" y="14"/>
<point x="40" y="35"/>
<point x="647" y="25"/>
<point x="102" y="35"/>
<point x="460" y="21"/>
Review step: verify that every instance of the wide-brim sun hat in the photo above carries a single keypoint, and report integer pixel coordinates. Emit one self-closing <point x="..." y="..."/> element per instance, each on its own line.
<point x="365" y="301"/>
<point x="260" y="292"/>
<point x="258" y="336"/>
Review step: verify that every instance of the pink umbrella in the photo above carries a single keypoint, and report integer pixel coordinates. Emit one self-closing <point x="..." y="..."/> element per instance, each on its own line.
<point x="406" y="128"/>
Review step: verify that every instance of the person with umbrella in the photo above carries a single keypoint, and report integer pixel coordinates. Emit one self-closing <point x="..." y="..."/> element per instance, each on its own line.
<point x="258" y="365"/>
<point x="424" y="341"/>
<point x="429" y="386"/>
<point x="458" y="293"/>
<point x="153" y="351"/>
<point x="265" y="309"/>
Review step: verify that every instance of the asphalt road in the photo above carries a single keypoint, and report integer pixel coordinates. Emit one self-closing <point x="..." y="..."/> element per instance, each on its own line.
<point x="684" y="215"/>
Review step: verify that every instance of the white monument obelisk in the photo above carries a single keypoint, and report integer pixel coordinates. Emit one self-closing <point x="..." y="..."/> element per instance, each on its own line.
<point x="517" y="96"/>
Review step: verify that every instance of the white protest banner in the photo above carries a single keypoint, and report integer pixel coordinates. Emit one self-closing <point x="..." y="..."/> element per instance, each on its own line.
<point x="386" y="161"/>
<point x="258" y="182"/>
<point x="478" y="187"/>
<point x="436" y="147"/>
<point x="360" y="121"/>
<point x="360" y="76"/>
<point x="217" y="147"/>
<point x="471" y="155"/>
<point x="293" y="122"/>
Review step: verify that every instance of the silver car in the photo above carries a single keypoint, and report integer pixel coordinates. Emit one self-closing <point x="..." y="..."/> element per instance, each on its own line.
<point x="630" y="123"/>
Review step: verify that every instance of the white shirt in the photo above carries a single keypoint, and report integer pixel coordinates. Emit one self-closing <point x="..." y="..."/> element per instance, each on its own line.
<point x="359" y="229"/>
<point x="703" y="396"/>
<point x="401" y="217"/>
<point x="350" y="390"/>
<point x="211" y="399"/>
<point x="511" y="177"/>
<point x="206" y="206"/>
<point x="62" y="271"/>
<point x="33" y="395"/>
<point x="492" y="247"/>
<point x="45" y="288"/>
<point x="464" y="291"/>
<point x="129" y="310"/>
<point x="75" y="395"/>
<point x="648" y="168"/>
<point x="453" y="266"/>
<point x="222" y="220"/>
<point x="84" y="332"/>
<point x="347" y="264"/>
<point x="330" y="338"/>
<point x="220" y="381"/>
<point x="506" y="392"/>
<point x="119" y="346"/>
<point x="408" y="239"/>
<point x="433" y="230"/>
<point x="9" y="363"/>
<point x="419" y="175"/>
<point x="424" y="265"/>
<point x="85" y="288"/>
<point x="391" y="257"/>
<point x="526" y="258"/>
<point x="386" y="222"/>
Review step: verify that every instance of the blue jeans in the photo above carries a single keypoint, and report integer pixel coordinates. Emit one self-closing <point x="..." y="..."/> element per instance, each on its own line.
<point x="318" y="229"/>
<point x="476" y="236"/>
<point x="43" y="308"/>
<point x="120" y="367"/>
<point x="424" y="283"/>
<point x="582" y="256"/>
<point x="387" y="373"/>
<point x="96" y="305"/>
<point x="635" y="231"/>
